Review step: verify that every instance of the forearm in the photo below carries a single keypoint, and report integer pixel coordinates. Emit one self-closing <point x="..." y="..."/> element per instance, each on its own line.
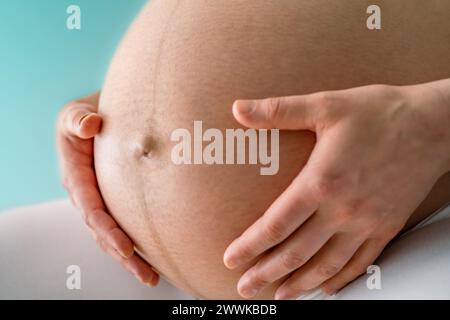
<point x="443" y="95"/>
<point x="432" y="101"/>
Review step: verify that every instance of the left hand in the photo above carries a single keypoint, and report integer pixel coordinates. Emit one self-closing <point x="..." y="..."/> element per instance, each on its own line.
<point x="78" y="124"/>
<point x="380" y="149"/>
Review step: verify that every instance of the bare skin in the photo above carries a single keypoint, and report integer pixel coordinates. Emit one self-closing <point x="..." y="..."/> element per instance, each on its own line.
<point x="339" y="213"/>
<point x="159" y="81"/>
<point x="78" y="123"/>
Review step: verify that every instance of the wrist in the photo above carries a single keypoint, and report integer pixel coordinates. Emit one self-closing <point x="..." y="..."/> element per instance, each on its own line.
<point x="431" y="102"/>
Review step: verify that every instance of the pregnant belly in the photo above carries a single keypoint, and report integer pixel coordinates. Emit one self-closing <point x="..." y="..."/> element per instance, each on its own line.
<point x="186" y="61"/>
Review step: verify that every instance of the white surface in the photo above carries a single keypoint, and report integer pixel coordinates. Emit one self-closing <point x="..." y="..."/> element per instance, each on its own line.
<point x="38" y="243"/>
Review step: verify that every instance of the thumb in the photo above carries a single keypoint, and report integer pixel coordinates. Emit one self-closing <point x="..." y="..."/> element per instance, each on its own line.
<point x="287" y="113"/>
<point x="80" y="121"/>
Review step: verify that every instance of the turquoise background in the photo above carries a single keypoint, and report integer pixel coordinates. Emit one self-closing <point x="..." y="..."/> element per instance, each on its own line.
<point x="43" y="65"/>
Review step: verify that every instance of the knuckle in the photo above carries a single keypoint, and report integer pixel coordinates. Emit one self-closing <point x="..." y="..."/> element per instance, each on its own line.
<point x="345" y="215"/>
<point x="327" y="270"/>
<point x="356" y="269"/>
<point x="324" y="99"/>
<point x="292" y="259"/>
<point x="325" y="186"/>
<point x="273" y="109"/>
<point x="274" y="231"/>
<point x="372" y="223"/>
<point x="101" y="244"/>
<point x="258" y="279"/>
<point x="87" y="218"/>
<point x="72" y="115"/>
<point x="355" y="211"/>
<point x="321" y="187"/>
<point x="328" y="106"/>
<point x="245" y="251"/>
<point x="354" y="204"/>
<point x="67" y="184"/>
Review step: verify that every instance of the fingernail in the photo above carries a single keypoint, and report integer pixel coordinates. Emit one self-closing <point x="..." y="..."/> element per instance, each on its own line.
<point x="245" y="106"/>
<point x="150" y="283"/>
<point x="142" y="280"/>
<point x="125" y="255"/>
<point x="82" y="119"/>
<point x="122" y="253"/>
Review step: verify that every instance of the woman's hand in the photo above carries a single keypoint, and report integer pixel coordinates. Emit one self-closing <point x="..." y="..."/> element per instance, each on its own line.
<point x="379" y="151"/>
<point x="78" y="123"/>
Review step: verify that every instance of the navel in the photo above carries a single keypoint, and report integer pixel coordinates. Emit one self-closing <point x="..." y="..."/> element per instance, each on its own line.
<point x="144" y="148"/>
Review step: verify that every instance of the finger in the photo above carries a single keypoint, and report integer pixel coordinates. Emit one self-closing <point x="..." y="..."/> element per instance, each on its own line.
<point x="88" y="199"/>
<point x="141" y="270"/>
<point x="284" y="216"/>
<point x="90" y="125"/>
<point x="81" y="121"/>
<point x="290" y="113"/>
<point x="324" y="265"/>
<point x="364" y="257"/>
<point x="75" y="146"/>
<point x="81" y="183"/>
<point x="289" y="256"/>
<point x="133" y="264"/>
<point x="137" y="266"/>
<point x="107" y="229"/>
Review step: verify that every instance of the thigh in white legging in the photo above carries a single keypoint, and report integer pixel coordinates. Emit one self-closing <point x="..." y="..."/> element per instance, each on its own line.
<point x="39" y="244"/>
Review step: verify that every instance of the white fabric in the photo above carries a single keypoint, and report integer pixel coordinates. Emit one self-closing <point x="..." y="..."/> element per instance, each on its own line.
<point x="38" y="243"/>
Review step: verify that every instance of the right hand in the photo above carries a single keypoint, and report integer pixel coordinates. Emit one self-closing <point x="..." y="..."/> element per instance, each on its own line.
<point x="78" y="123"/>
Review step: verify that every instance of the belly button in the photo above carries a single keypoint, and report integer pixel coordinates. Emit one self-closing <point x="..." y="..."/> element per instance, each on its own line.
<point x="144" y="148"/>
